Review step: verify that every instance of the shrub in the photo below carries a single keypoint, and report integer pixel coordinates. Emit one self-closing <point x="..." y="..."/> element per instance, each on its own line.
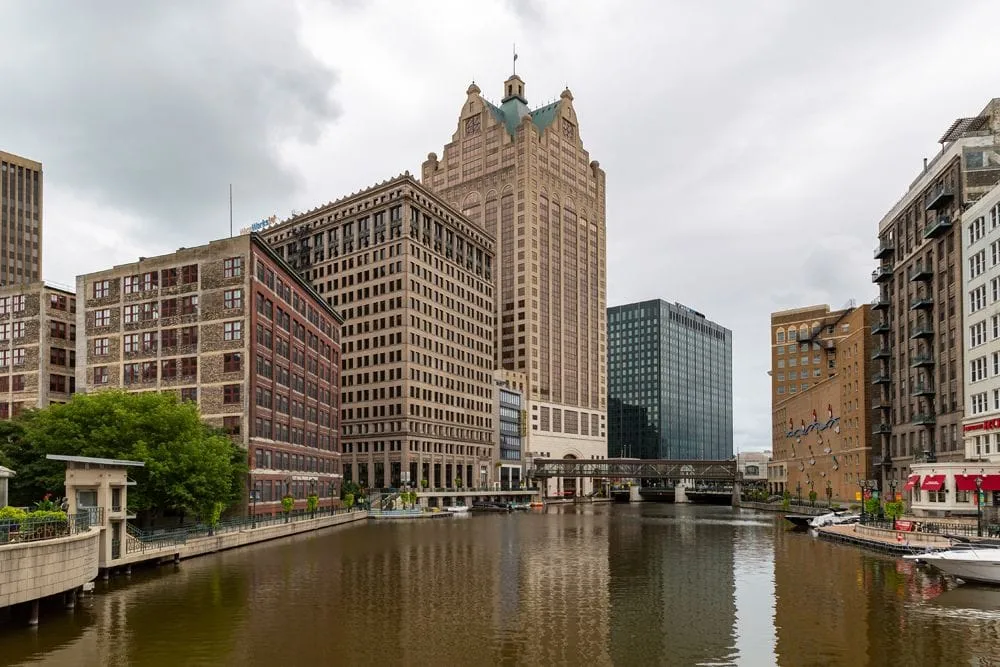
<point x="312" y="502"/>
<point x="287" y="503"/>
<point x="12" y="514"/>
<point x="348" y="500"/>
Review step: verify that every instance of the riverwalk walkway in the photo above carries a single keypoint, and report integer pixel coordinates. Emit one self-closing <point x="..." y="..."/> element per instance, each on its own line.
<point x="896" y="542"/>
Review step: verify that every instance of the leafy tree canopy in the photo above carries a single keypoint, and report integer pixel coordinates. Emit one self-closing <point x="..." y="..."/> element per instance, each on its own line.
<point x="190" y="467"/>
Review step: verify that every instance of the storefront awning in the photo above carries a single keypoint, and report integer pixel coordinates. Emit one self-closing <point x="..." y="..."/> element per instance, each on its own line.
<point x="968" y="482"/>
<point x="933" y="483"/>
<point x="911" y="482"/>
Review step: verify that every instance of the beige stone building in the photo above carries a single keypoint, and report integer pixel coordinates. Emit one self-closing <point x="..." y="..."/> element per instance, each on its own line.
<point x="414" y="280"/>
<point x="822" y="420"/>
<point x="37" y="347"/>
<point x="20" y="220"/>
<point x="230" y="326"/>
<point x="524" y="175"/>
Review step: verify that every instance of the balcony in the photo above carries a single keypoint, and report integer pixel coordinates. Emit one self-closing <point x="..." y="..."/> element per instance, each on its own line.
<point x="880" y="303"/>
<point x="924" y="419"/>
<point x="922" y="303"/>
<point x="936" y="227"/>
<point x="881" y="378"/>
<point x="884" y="248"/>
<point x="921" y="360"/>
<point x="880" y="403"/>
<point x="922" y="389"/>
<point x="922" y="330"/>
<point x="882" y="326"/>
<point x="882" y="273"/>
<point x="882" y="428"/>
<point x="939" y="197"/>
<point x="881" y="353"/>
<point x="921" y="272"/>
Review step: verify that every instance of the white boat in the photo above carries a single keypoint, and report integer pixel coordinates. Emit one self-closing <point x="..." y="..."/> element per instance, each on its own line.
<point x="833" y="518"/>
<point x="974" y="563"/>
<point x="457" y="509"/>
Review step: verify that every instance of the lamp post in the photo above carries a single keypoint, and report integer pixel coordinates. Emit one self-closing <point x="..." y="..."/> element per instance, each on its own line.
<point x="798" y="492"/>
<point x="253" y="517"/>
<point x="829" y="494"/>
<point x="892" y="499"/>
<point x="979" y="506"/>
<point x="862" y="485"/>
<point x="811" y="491"/>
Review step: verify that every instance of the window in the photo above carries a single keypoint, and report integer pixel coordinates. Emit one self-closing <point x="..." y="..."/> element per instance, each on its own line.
<point x="17" y="384"/>
<point x="189" y="274"/>
<point x="130" y="313"/>
<point x="231" y="425"/>
<point x="977" y="299"/>
<point x="149" y="371"/>
<point x="17" y="303"/>
<point x="977" y="264"/>
<point x="230" y="394"/>
<point x="149" y="341"/>
<point x="168" y="307"/>
<point x="977" y="229"/>
<point x="189" y="394"/>
<point x="780" y="337"/>
<point x="101" y="346"/>
<point x="232" y="362"/>
<point x="977" y="334"/>
<point x="189" y="336"/>
<point x="130" y="284"/>
<point x="168" y="277"/>
<point x="131" y="373"/>
<point x="232" y="267"/>
<point x="232" y="298"/>
<point x="977" y="369"/>
<point x="168" y="339"/>
<point x="102" y="318"/>
<point x="979" y="403"/>
<point x="149" y="281"/>
<point x="18" y="330"/>
<point x="100" y="374"/>
<point x="168" y="369"/>
<point x="189" y="305"/>
<point x="232" y="330"/>
<point x="102" y="289"/>
<point x="4" y="358"/>
<point x="18" y="356"/>
<point x="131" y="343"/>
<point x="189" y="366"/>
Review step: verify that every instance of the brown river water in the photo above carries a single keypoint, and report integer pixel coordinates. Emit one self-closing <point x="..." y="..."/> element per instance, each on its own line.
<point x="647" y="584"/>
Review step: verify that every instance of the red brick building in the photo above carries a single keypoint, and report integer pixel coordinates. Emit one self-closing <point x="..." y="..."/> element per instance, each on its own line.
<point x="231" y="326"/>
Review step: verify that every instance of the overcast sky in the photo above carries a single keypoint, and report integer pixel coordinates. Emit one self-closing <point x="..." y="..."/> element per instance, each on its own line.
<point x="750" y="147"/>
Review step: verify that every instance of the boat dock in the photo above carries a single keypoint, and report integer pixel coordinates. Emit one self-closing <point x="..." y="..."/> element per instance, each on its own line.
<point x="893" y="542"/>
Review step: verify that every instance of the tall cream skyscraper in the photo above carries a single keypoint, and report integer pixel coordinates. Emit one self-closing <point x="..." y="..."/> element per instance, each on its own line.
<point x="524" y="175"/>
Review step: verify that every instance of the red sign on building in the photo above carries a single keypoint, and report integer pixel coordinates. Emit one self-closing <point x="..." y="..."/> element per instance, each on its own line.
<point x="985" y="425"/>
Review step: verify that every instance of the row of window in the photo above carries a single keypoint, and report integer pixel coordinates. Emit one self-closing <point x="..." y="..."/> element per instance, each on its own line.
<point x="295" y="435"/>
<point x="150" y="280"/>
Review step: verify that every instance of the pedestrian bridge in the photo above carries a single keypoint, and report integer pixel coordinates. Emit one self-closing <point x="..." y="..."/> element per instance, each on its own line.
<point x="659" y="469"/>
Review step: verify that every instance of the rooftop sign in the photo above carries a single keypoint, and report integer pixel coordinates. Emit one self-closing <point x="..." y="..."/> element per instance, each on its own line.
<point x="260" y="226"/>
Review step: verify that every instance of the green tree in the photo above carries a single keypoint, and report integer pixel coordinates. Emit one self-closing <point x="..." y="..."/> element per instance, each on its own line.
<point x="189" y="466"/>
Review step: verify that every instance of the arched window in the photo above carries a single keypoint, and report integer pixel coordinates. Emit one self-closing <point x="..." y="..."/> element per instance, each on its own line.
<point x="779" y="336"/>
<point x="793" y="334"/>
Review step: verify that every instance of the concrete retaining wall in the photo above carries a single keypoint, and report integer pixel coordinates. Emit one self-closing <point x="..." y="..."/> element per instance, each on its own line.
<point x="207" y="545"/>
<point x="34" y="570"/>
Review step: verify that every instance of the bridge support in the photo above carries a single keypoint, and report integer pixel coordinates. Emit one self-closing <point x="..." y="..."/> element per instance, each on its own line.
<point x="737" y="492"/>
<point x="680" y="493"/>
<point x="633" y="494"/>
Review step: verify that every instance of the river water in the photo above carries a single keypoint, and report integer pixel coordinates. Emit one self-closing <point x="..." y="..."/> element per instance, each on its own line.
<point x="647" y="584"/>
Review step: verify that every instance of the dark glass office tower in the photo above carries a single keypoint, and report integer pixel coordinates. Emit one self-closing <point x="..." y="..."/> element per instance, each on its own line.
<point x="670" y="383"/>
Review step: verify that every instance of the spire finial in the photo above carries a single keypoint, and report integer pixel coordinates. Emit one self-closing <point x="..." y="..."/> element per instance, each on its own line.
<point x="515" y="59"/>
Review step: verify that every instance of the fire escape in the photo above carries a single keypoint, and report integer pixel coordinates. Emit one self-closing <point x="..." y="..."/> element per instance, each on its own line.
<point x="299" y="256"/>
<point x="922" y="355"/>
<point x="882" y="392"/>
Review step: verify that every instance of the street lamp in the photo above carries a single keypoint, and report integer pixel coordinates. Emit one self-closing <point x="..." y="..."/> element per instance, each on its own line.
<point x="979" y="506"/>
<point x="892" y="499"/>
<point x="811" y="492"/>
<point x="829" y="494"/>
<point x="798" y="492"/>
<point x="863" y="485"/>
<point x="253" y="520"/>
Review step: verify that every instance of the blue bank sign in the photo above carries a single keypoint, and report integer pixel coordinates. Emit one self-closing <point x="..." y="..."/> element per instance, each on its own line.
<point x="261" y="225"/>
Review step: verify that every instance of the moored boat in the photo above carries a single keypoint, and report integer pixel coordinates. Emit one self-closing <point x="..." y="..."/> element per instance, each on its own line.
<point x="457" y="509"/>
<point x="979" y="564"/>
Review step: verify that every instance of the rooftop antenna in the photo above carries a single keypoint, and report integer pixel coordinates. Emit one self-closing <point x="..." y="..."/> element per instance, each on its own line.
<point x="230" y="210"/>
<point x="515" y="59"/>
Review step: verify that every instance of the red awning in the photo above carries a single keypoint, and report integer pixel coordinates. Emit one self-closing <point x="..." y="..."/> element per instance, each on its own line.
<point x="933" y="483"/>
<point x="911" y="482"/>
<point x="968" y="482"/>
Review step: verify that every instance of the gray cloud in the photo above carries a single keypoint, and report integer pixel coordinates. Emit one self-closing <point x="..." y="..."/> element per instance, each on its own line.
<point x="154" y="108"/>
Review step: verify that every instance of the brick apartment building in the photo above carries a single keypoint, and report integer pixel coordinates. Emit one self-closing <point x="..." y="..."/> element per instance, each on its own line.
<point x="920" y="380"/>
<point x="37" y="347"/>
<point x="20" y="220"/>
<point x="413" y="278"/>
<point x="823" y="426"/>
<point x="230" y="326"/>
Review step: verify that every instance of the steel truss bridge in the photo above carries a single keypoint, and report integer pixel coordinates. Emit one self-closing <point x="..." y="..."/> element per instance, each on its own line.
<point x="700" y="471"/>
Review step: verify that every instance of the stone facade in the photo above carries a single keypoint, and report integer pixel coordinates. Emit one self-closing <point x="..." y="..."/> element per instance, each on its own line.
<point x="20" y="219"/>
<point x="37" y="347"/>
<point x="525" y="177"/>
<point x="821" y="417"/>
<point x="230" y="326"/>
<point x="414" y="279"/>
<point x="34" y="570"/>
<point x="920" y="278"/>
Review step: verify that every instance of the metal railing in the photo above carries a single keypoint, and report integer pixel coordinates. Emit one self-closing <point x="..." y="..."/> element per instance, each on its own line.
<point x="184" y="533"/>
<point x="31" y="529"/>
